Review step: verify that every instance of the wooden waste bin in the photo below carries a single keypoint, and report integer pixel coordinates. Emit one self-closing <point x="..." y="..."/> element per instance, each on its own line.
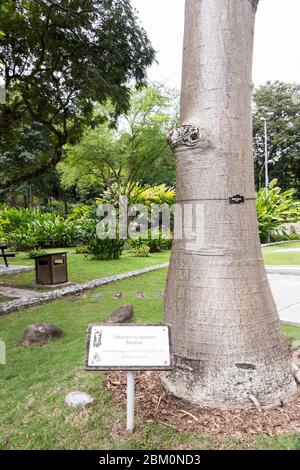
<point x="51" y="269"/>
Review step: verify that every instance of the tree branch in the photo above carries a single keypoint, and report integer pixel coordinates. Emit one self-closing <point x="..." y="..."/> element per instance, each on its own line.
<point x="57" y="155"/>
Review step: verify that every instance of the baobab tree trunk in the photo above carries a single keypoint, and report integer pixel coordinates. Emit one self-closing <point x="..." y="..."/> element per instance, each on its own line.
<point x="229" y="351"/>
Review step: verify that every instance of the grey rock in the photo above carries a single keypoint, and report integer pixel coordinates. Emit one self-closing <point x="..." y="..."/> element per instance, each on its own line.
<point x="75" y="297"/>
<point x="140" y="295"/>
<point x="159" y="294"/>
<point x="76" y="399"/>
<point x="118" y="295"/>
<point x="122" y="314"/>
<point x="40" y="334"/>
<point x="96" y="297"/>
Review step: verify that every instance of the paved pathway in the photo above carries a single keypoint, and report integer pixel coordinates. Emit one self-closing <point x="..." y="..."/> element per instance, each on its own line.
<point x="17" y="293"/>
<point x="286" y="291"/>
<point x="14" y="269"/>
<point x="293" y="270"/>
<point x="285" y="288"/>
<point x="39" y="298"/>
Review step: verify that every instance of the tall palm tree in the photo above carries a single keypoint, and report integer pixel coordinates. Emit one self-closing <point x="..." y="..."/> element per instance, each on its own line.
<point x="228" y="345"/>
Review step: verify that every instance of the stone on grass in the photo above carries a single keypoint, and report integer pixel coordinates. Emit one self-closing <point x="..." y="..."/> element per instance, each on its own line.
<point x="96" y="297"/>
<point x="122" y="314"/>
<point x="140" y="295"/>
<point x="76" y="399"/>
<point x="159" y="294"/>
<point x="118" y="295"/>
<point x="40" y="334"/>
<point x="75" y="297"/>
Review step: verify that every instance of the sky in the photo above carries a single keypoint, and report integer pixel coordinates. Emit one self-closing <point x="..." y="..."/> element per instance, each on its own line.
<point x="276" y="49"/>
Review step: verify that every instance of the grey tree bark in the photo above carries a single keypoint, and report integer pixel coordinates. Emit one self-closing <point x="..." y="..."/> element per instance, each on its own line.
<point x="229" y="350"/>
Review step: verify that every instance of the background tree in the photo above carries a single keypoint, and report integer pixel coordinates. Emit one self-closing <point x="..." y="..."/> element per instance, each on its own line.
<point x="114" y="160"/>
<point x="60" y="58"/>
<point x="3" y="4"/>
<point x="228" y="345"/>
<point x="283" y="100"/>
<point x="31" y="148"/>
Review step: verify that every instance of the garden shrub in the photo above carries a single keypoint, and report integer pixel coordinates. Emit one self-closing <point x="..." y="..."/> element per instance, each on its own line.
<point x="156" y="244"/>
<point x="141" y="251"/>
<point x="36" y="252"/>
<point x="159" y="242"/>
<point x="106" y="249"/>
<point x="275" y="210"/>
<point x="81" y="249"/>
<point x="147" y="195"/>
<point x="26" y="229"/>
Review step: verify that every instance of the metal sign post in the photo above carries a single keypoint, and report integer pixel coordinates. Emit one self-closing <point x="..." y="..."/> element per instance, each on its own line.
<point x="129" y="348"/>
<point x="2" y="84"/>
<point x="130" y="400"/>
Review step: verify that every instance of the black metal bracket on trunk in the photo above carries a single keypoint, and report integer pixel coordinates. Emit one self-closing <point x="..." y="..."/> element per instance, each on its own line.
<point x="237" y="199"/>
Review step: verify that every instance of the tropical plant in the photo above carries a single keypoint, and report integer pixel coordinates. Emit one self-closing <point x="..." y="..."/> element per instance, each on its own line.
<point x="156" y="241"/>
<point x="80" y="211"/>
<point x="142" y="194"/>
<point x="105" y="249"/>
<point x="27" y="229"/>
<point x="141" y="250"/>
<point x="36" y="252"/>
<point x="81" y="249"/>
<point x="12" y="218"/>
<point x="158" y="194"/>
<point x="275" y="210"/>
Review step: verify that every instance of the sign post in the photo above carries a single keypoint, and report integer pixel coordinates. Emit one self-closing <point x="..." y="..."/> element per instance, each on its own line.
<point x="129" y="348"/>
<point x="130" y="400"/>
<point x="2" y="84"/>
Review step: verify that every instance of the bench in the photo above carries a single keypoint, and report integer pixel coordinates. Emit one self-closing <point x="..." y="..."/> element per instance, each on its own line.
<point x="7" y="255"/>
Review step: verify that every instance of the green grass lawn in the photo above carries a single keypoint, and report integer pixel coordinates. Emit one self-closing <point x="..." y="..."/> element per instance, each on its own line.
<point x="277" y="254"/>
<point x="81" y="268"/>
<point x="35" y="381"/>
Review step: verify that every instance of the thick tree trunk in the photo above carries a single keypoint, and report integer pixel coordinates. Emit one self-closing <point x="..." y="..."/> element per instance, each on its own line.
<point x="228" y="345"/>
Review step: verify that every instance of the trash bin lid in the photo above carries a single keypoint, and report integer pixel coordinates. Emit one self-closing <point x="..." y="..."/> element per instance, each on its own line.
<point x="51" y="254"/>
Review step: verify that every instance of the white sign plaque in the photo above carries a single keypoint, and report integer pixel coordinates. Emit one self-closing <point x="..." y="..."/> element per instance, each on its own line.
<point x="129" y="347"/>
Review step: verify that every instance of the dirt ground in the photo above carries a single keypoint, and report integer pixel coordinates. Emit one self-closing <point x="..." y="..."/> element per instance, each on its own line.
<point x="155" y="403"/>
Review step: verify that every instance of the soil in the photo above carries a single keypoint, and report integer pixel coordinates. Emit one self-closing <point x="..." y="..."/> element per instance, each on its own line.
<point x="155" y="403"/>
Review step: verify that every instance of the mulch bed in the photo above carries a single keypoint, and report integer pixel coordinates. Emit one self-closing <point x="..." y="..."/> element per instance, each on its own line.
<point x="155" y="403"/>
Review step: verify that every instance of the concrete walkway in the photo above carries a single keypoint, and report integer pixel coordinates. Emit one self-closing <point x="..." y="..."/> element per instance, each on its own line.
<point x="292" y="270"/>
<point x="39" y="298"/>
<point x="284" y="281"/>
<point x="17" y="293"/>
<point x="14" y="269"/>
<point x="286" y="291"/>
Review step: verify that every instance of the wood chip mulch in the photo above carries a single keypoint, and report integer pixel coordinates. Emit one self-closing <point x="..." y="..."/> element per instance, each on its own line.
<point x="155" y="403"/>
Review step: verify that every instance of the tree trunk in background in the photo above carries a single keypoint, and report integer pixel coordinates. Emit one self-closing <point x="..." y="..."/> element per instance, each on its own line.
<point x="228" y="345"/>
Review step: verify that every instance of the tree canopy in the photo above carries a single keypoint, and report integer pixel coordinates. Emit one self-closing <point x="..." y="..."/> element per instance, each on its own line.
<point x="62" y="57"/>
<point x="283" y="100"/>
<point x="136" y="150"/>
